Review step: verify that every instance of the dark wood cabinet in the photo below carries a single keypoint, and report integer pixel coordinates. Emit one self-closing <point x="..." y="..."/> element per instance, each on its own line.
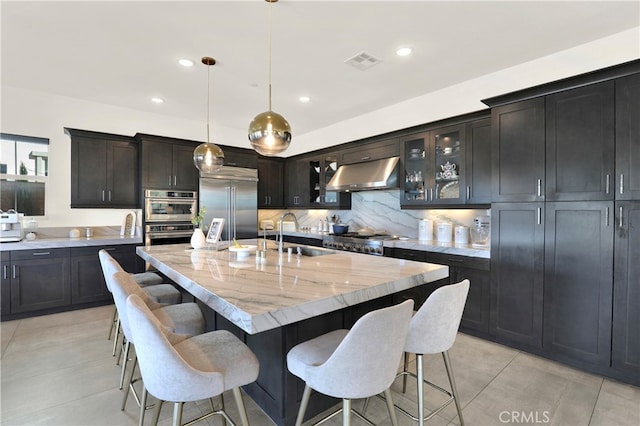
<point x="477" y="147"/>
<point x="580" y="144"/>
<point x="626" y="291"/>
<point x="307" y="178"/>
<point x="517" y="273"/>
<point x="167" y="163"/>
<point x="87" y="279"/>
<point x="370" y="151"/>
<point x="5" y="284"/>
<point x="297" y="183"/>
<point x="239" y="157"/>
<point x="40" y="279"/>
<point x="518" y="151"/>
<point x="270" y="183"/>
<point x="104" y="170"/>
<point x="627" y="185"/>
<point x="578" y="281"/>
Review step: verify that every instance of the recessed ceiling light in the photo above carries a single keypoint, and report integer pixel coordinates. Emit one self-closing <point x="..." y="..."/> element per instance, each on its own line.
<point x="304" y="99"/>
<point x="404" y="51"/>
<point x="186" y="62"/>
<point x="157" y="100"/>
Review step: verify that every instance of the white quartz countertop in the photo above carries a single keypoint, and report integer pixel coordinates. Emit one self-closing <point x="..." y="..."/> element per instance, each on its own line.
<point x="284" y="289"/>
<point x="50" y="243"/>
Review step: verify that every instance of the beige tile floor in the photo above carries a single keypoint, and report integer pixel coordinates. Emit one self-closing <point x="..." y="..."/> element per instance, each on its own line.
<point x="58" y="370"/>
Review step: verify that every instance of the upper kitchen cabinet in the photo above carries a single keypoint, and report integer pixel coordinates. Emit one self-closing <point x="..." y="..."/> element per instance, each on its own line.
<point x="477" y="148"/>
<point x="240" y="157"/>
<point x="270" y="183"/>
<point x="434" y="165"/>
<point x="580" y="144"/>
<point x="167" y="163"/>
<point x="370" y="151"/>
<point x="307" y="178"/>
<point x="518" y="151"/>
<point x="628" y="138"/>
<point x="104" y="170"/>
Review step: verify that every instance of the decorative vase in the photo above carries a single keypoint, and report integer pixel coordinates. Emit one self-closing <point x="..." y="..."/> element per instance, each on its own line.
<point x="198" y="239"/>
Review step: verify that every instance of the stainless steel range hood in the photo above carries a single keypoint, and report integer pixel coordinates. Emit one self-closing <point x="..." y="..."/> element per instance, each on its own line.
<point x="377" y="174"/>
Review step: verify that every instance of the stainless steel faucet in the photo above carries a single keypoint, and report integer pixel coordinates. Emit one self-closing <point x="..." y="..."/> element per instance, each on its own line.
<point x="282" y="218"/>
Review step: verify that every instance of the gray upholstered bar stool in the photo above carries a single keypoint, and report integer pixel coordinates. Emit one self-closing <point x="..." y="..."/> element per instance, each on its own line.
<point x="183" y="369"/>
<point x="356" y="363"/>
<point x="183" y="318"/>
<point x="150" y="281"/>
<point x="433" y="330"/>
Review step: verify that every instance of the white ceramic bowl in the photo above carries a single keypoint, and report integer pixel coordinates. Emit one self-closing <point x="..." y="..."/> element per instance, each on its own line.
<point x="244" y="251"/>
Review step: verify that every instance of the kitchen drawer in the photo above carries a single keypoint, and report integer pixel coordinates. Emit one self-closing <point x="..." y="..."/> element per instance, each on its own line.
<point x="5" y="256"/>
<point x="39" y="254"/>
<point x="455" y="260"/>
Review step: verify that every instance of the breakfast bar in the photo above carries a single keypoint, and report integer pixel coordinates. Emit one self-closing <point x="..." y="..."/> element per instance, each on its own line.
<point x="275" y="302"/>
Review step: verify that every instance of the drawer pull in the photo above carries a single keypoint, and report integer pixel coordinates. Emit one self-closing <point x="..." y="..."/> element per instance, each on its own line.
<point x="43" y="253"/>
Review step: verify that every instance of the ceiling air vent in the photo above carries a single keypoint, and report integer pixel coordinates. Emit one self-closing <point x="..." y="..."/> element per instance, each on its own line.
<point x="363" y="61"/>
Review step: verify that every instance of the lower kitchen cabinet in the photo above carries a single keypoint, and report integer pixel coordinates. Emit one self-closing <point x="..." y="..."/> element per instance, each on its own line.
<point x="5" y="283"/>
<point x="87" y="279"/>
<point x="517" y="273"/>
<point x="625" y="352"/>
<point x="40" y="280"/>
<point x="578" y="281"/>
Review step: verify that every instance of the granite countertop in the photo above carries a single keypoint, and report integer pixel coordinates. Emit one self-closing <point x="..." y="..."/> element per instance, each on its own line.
<point x="62" y="242"/>
<point x="410" y="244"/>
<point x="284" y="289"/>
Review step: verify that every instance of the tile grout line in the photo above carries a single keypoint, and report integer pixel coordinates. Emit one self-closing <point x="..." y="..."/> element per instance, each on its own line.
<point x="593" y="410"/>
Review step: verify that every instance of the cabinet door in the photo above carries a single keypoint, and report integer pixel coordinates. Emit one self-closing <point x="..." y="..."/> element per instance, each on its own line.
<point x="518" y="151"/>
<point x="370" y="151"/>
<point x="476" y="311"/>
<point x="88" y="172"/>
<point x="448" y="165"/>
<point x="297" y="172"/>
<point x="580" y="144"/>
<point x="240" y="157"/>
<point x="626" y="301"/>
<point x="628" y="138"/>
<point x="39" y="280"/>
<point x="418" y="182"/>
<point x="270" y="183"/>
<point x="122" y="175"/>
<point x="87" y="280"/>
<point x="517" y="272"/>
<point x="185" y="174"/>
<point x="5" y="288"/>
<point x="578" y="280"/>
<point x="477" y="148"/>
<point x="157" y="165"/>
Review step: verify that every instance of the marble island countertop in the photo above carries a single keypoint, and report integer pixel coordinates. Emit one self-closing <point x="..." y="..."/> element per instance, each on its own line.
<point x="62" y="242"/>
<point x="259" y="296"/>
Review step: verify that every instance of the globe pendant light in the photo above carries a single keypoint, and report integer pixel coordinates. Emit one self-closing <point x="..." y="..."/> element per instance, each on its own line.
<point x="269" y="132"/>
<point x="208" y="157"/>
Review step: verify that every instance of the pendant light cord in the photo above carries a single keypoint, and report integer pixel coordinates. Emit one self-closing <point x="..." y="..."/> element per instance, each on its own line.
<point x="270" y="35"/>
<point x="208" y="100"/>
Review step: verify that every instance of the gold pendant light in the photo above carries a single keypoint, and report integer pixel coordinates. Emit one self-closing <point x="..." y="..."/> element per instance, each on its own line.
<point x="269" y="132"/>
<point x="208" y="157"/>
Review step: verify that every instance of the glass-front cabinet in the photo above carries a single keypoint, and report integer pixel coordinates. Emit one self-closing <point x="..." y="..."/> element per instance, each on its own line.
<point x="321" y="170"/>
<point x="433" y="164"/>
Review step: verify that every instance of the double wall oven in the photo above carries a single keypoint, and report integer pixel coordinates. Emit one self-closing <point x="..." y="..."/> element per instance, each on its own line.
<point x="167" y="216"/>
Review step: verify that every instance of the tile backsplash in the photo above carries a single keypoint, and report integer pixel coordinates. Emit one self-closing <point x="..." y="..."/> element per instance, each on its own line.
<point x="379" y="210"/>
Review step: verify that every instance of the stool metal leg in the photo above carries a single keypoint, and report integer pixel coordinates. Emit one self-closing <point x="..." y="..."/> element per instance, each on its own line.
<point x="156" y="412"/>
<point x="124" y="363"/>
<point x="114" y="320"/>
<point x="346" y="412"/>
<point x="143" y="404"/>
<point x="303" y="404"/>
<point x="420" y="374"/>
<point x="116" y="338"/>
<point x="237" y="394"/>
<point x="404" y="370"/>
<point x="452" y="382"/>
<point x="177" y="413"/>
<point x="391" y="407"/>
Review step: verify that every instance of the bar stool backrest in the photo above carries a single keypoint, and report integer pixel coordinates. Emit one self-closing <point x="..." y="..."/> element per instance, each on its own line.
<point x="434" y="327"/>
<point x="122" y="286"/>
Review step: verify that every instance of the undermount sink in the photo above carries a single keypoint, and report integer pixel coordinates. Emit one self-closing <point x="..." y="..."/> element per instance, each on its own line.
<point x="307" y="251"/>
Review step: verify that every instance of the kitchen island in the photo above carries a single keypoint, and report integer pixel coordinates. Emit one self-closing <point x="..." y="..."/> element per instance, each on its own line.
<point x="275" y="304"/>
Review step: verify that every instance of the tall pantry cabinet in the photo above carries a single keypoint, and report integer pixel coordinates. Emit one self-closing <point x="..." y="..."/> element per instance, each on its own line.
<point x="566" y="185"/>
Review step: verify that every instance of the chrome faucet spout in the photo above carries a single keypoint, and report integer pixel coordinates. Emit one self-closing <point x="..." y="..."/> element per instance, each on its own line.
<point x="280" y="222"/>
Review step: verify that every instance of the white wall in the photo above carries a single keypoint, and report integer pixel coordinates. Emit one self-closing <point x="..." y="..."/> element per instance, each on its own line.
<point x="43" y="115"/>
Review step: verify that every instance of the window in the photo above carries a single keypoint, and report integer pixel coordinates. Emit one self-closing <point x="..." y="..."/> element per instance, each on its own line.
<point x="24" y="167"/>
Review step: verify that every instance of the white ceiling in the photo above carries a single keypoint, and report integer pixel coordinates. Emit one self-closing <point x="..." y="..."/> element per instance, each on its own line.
<point x="125" y="52"/>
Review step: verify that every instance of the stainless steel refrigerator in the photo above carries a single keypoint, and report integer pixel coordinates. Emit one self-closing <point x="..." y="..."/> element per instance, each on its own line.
<point x="232" y="194"/>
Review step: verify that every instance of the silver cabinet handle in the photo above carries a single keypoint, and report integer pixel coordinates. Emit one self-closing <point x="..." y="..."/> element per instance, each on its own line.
<point x="109" y="195"/>
<point x="5" y="272"/>
<point x="539" y="187"/>
<point x="368" y="157"/>
<point x="431" y="194"/>
<point x="607" y="182"/>
<point x="175" y="180"/>
<point x="539" y="214"/>
<point x="606" y="216"/>
<point x="103" y="195"/>
<point x="169" y="180"/>
<point x="621" y="183"/>
<point x="468" y="192"/>
<point x="621" y="223"/>
<point x="13" y="271"/>
<point x="42" y="253"/>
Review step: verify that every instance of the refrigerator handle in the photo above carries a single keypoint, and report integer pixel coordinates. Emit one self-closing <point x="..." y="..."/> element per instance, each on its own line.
<point x="229" y="217"/>
<point x="233" y="209"/>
